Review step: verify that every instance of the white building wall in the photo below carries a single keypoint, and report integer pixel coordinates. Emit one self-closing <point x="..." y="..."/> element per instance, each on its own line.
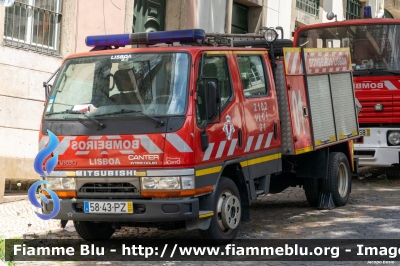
<point x="278" y="14"/>
<point x="211" y="15"/>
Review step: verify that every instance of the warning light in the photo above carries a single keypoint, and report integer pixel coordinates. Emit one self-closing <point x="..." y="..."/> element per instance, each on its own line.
<point x="367" y="12"/>
<point x="146" y="38"/>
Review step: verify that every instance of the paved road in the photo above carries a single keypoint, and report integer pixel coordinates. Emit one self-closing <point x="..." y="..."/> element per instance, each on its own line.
<point x="373" y="212"/>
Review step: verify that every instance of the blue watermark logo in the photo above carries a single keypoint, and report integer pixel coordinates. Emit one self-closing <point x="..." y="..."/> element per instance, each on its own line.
<point x="50" y="165"/>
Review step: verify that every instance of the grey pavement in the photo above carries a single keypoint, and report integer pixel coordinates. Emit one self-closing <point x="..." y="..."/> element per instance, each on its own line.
<point x="373" y="212"/>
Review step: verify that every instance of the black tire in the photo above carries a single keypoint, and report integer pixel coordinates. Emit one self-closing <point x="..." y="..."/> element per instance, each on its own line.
<point x="339" y="178"/>
<point x="94" y="231"/>
<point x="225" y="223"/>
<point x="312" y="189"/>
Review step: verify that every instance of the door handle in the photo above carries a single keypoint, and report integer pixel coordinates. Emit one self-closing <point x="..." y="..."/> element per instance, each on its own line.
<point x="240" y="138"/>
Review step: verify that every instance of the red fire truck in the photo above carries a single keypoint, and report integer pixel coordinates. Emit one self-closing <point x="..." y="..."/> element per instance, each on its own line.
<point x="191" y="131"/>
<point x="375" y="56"/>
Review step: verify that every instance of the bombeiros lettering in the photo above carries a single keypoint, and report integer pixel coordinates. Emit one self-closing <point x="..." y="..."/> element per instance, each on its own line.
<point x="105" y="145"/>
<point x="369" y="85"/>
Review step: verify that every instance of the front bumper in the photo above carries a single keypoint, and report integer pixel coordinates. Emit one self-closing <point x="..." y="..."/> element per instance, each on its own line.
<point x="153" y="210"/>
<point x="374" y="151"/>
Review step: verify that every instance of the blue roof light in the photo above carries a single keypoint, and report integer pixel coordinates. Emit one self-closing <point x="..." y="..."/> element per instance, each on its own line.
<point x="108" y="40"/>
<point x="146" y="38"/>
<point x="367" y="12"/>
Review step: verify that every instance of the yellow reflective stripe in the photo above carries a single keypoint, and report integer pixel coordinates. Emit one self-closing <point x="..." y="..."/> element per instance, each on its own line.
<point x="291" y="50"/>
<point x="70" y="173"/>
<point x="205" y="215"/>
<point x="250" y="52"/>
<point x="261" y="160"/>
<point x="218" y="52"/>
<point x="208" y="171"/>
<point x="337" y="49"/>
<point x="304" y="150"/>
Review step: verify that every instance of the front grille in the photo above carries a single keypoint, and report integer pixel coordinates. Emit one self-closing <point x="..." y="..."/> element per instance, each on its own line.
<point x="111" y="188"/>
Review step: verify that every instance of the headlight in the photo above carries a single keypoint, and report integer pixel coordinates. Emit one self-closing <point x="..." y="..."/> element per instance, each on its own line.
<point x="167" y="182"/>
<point x="57" y="183"/>
<point x="394" y="138"/>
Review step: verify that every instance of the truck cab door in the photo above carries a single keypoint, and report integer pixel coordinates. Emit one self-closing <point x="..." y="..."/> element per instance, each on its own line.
<point x="222" y="131"/>
<point x="261" y="124"/>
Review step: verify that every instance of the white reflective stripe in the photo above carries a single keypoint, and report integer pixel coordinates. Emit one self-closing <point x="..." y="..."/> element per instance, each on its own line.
<point x="324" y="70"/>
<point x="389" y="85"/>
<point x="249" y="142"/>
<point x="232" y="147"/>
<point x="148" y="144"/>
<point x="294" y="64"/>
<point x="259" y="140"/>
<point x="64" y="145"/>
<point x="331" y="69"/>
<point x="268" y="142"/>
<point x="126" y="152"/>
<point x="94" y="137"/>
<point x="207" y="154"/>
<point x="220" y="149"/>
<point x="81" y="152"/>
<point x="104" y="152"/>
<point x="43" y="141"/>
<point x="113" y="137"/>
<point x="178" y="142"/>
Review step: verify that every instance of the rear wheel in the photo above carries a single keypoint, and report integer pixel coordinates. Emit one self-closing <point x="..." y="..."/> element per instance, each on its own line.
<point x="339" y="178"/>
<point x="94" y="231"/>
<point x="227" y="213"/>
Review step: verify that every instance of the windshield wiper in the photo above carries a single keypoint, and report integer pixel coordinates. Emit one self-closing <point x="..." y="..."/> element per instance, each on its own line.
<point x="97" y="122"/>
<point x="124" y="111"/>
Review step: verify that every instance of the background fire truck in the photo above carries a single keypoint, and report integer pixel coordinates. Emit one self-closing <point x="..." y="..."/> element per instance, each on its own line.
<point x="189" y="135"/>
<point x="375" y="55"/>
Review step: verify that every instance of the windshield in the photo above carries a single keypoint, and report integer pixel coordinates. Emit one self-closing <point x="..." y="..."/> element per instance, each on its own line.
<point x="150" y="83"/>
<point x="372" y="47"/>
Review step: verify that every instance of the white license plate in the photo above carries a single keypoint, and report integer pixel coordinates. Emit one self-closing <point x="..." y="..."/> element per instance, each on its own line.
<point x="107" y="207"/>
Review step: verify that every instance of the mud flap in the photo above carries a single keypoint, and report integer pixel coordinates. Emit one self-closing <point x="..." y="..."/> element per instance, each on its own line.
<point x="202" y="224"/>
<point x="63" y="223"/>
<point x="325" y="201"/>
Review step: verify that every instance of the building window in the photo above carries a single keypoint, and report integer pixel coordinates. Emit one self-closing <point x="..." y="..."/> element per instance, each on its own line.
<point x="308" y="6"/>
<point x="353" y="9"/>
<point x="239" y="18"/>
<point x="34" y="25"/>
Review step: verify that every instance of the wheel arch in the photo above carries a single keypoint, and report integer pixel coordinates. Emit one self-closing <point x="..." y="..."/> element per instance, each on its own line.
<point x="234" y="171"/>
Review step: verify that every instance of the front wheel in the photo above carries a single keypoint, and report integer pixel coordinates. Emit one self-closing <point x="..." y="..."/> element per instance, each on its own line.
<point x="227" y="213"/>
<point x="94" y="231"/>
<point x="339" y="178"/>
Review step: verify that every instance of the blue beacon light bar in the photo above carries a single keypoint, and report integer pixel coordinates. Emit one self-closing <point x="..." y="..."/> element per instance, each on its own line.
<point x="146" y="38"/>
<point x="367" y="12"/>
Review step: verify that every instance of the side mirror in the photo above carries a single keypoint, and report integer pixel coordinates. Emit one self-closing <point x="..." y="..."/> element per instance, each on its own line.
<point x="213" y="99"/>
